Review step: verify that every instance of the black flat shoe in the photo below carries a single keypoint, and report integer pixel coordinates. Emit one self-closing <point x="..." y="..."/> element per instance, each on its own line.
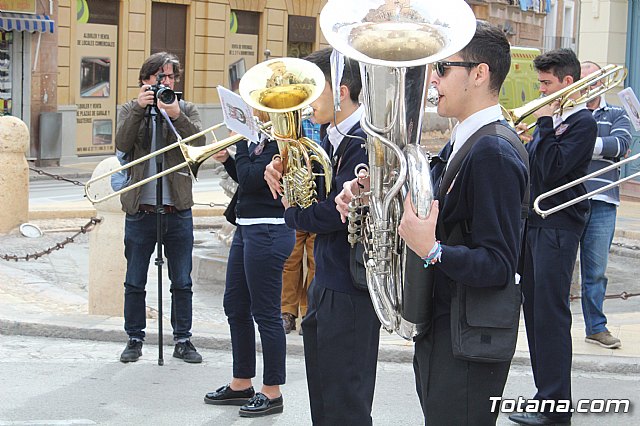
<point x="536" y="419"/>
<point x="260" y="405"/>
<point x="226" y="396"/>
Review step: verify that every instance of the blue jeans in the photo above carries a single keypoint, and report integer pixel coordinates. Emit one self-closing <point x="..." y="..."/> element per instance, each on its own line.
<point x="140" y="234"/>
<point x="594" y="254"/>
<point x="253" y="292"/>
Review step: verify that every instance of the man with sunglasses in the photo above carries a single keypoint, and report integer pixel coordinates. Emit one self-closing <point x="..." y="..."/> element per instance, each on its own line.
<point x="559" y="152"/>
<point x="484" y="205"/>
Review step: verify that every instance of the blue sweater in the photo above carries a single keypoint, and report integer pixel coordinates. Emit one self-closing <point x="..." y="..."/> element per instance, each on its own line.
<point x="254" y="197"/>
<point x="331" y="249"/>
<point x="558" y="156"/>
<point x="615" y="130"/>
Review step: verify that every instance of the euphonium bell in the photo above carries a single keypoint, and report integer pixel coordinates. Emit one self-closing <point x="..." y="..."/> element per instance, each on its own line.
<point x="284" y="88"/>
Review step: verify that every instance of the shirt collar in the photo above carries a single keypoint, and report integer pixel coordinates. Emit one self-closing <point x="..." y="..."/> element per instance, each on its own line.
<point x="602" y="104"/>
<point x="557" y="120"/>
<point x="463" y="130"/>
<point x="337" y="133"/>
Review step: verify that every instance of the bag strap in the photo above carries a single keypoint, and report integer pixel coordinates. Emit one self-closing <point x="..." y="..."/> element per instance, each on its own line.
<point x="494" y="128"/>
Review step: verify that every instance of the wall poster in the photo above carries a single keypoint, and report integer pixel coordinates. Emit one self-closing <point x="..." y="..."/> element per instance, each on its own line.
<point x="95" y="82"/>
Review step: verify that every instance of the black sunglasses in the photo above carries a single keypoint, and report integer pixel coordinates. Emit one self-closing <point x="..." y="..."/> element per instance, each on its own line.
<point x="441" y="67"/>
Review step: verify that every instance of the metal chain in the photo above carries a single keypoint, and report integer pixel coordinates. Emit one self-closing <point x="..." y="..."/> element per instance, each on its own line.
<point x="212" y="204"/>
<point x="59" y="246"/>
<point x="627" y="246"/>
<point x="78" y="183"/>
<point x="56" y="177"/>
<point x="624" y="296"/>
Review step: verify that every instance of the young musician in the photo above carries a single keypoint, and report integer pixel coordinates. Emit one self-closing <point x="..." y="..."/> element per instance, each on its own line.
<point x="341" y="330"/>
<point x="261" y="245"/>
<point x="560" y="152"/>
<point x="484" y="205"/>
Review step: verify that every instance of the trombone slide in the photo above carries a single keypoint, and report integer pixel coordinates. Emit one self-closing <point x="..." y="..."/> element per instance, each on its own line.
<point x="545" y="213"/>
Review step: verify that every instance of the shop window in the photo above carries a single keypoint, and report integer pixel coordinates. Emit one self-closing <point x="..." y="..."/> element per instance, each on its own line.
<point x="301" y="36"/>
<point x="6" y="98"/>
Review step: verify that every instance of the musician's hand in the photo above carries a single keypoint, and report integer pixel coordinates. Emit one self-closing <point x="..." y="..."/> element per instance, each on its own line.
<point x="285" y="202"/>
<point x="349" y="190"/>
<point x="145" y="96"/>
<point x="172" y="109"/>
<point x="221" y="156"/>
<point x="547" y="110"/>
<point x="419" y="234"/>
<point x="523" y="132"/>
<point x="272" y="175"/>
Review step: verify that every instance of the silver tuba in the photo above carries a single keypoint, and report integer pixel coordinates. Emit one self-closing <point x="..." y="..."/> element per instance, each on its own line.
<point x="394" y="41"/>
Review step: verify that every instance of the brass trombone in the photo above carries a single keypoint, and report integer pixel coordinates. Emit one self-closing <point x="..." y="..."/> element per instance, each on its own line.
<point x="545" y="213"/>
<point x="194" y="157"/>
<point x="611" y="76"/>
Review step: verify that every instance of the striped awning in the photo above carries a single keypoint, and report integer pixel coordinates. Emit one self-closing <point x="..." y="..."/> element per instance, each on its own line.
<point x="26" y="22"/>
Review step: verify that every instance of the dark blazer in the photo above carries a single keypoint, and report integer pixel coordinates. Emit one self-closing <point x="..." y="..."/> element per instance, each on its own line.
<point x="558" y="156"/>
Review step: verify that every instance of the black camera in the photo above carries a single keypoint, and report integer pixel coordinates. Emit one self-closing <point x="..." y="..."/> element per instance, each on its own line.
<point x="163" y="93"/>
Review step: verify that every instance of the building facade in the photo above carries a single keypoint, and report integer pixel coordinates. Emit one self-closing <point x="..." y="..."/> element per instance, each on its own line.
<point x="28" y="63"/>
<point x="102" y="43"/>
<point x="609" y="35"/>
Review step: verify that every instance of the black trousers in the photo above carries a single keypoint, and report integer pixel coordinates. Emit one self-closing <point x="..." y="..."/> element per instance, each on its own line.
<point x="452" y="391"/>
<point x="341" y="336"/>
<point x="549" y="259"/>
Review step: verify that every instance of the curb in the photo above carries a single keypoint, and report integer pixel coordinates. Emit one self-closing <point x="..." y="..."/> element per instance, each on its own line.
<point x="581" y="363"/>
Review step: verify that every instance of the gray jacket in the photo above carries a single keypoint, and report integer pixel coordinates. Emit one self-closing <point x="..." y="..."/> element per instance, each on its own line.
<point x="614" y="138"/>
<point x="133" y="137"/>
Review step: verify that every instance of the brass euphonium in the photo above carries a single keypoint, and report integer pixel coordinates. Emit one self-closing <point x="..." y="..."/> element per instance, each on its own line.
<point x="394" y="41"/>
<point x="284" y="88"/>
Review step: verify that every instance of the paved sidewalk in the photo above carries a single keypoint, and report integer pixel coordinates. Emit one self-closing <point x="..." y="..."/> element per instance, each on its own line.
<point x="48" y="297"/>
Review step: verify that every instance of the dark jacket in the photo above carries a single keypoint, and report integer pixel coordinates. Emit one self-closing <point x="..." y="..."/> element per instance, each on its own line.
<point x="254" y="199"/>
<point x="133" y="137"/>
<point x="558" y="156"/>
<point x="486" y="198"/>
<point x="331" y="249"/>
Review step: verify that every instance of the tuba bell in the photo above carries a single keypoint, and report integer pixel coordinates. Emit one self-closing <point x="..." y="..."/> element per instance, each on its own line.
<point x="284" y="88"/>
<point x="394" y="41"/>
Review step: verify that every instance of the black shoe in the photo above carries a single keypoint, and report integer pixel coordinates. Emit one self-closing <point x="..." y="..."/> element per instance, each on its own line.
<point x="537" y="419"/>
<point x="260" y="405"/>
<point x="132" y="352"/>
<point x="187" y="352"/>
<point x="226" y="396"/>
<point x="288" y="322"/>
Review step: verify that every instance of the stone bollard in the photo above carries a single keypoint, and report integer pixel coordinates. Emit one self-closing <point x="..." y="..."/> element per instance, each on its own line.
<point x="14" y="173"/>
<point x="107" y="265"/>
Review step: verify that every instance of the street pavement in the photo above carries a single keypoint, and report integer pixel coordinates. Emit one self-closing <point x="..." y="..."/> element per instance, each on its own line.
<point x="55" y="381"/>
<point x="48" y="296"/>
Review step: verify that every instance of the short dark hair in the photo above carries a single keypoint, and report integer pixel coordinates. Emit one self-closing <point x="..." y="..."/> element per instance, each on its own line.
<point x="559" y="62"/>
<point x="350" y="76"/>
<point x="489" y="46"/>
<point x="155" y="62"/>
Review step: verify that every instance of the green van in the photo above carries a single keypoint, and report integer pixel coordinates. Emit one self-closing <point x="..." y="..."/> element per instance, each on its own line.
<point x="521" y="84"/>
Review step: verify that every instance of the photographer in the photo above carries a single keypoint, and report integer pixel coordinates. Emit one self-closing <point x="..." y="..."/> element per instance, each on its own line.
<point x="134" y="138"/>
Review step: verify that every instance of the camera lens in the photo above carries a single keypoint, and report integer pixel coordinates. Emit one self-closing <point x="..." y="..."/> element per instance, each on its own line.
<point x="166" y="95"/>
